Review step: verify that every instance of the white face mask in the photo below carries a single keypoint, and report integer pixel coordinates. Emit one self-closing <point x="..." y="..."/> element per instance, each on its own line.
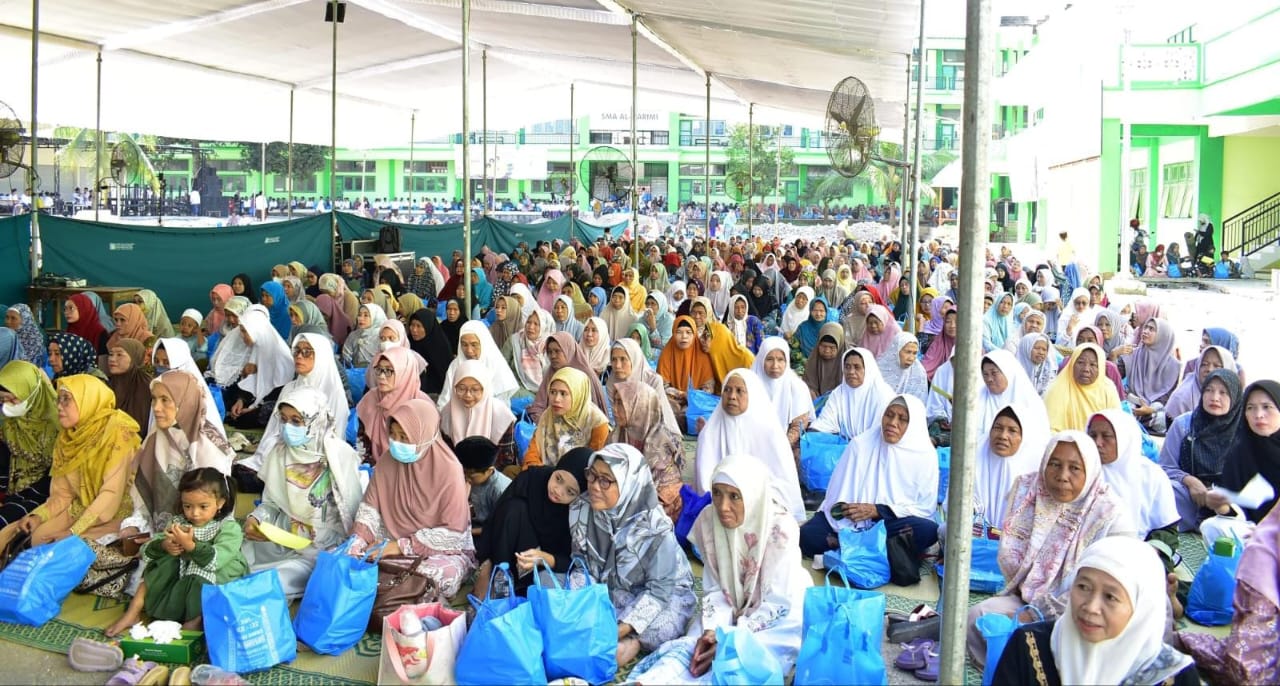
<point x="16" y="410"/>
<point x="278" y="279"/>
<point x="387" y="345"/>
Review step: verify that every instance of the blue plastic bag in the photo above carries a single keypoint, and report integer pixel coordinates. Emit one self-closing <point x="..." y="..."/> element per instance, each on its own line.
<point x="1222" y="270"/>
<point x="36" y="582"/>
<point x="352" y="432"/>
<point x="820" y="403"/>
<point x="691" y="507"/>
<point x="844" y="647"/>
<point x="819" y="455"/>
<point x="863" y="557"/>
<point x="1212" y="591"/>
<point x="357" y="381"/>
<point x="524" y="436"/>
<point x="519" y="405"/>
<point x="218" y="402"/>
<point x="984" y="568"/>
<point x="502" y="627"/>
<point x="996" y="628"/>
<point x="335" y="608"/>
<point x="579" y="627"/>
<point x="741" y="660"/>
<point x="1175" y="271"/>
<point x="246" y="623"/>
<point x="944" y="472"/>
<point x="701" y="405"/>
<point x="822" y="601"/>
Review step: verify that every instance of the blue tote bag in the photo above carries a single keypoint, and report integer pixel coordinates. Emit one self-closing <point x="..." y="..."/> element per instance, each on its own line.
<point x="691" y="507"/>
<point x="741" y="661"/>
<point x="524" y="436"/>
<point x="334" y="612"/>
<point x="36" y="582"/>
<point x="844" y="647"/>
<point x="579" y="626"/>
<point x="997" y="629"/>
<point x="701" y="405"/>
<point x="819" y="455"/>
<point x="863" y="557"/>
<point x="503" y="645"/>
<point x="822" y="601"/>
<point x="246" y="623"/>
<point x="984" y="566"/>
<point x="1209" y="602"/>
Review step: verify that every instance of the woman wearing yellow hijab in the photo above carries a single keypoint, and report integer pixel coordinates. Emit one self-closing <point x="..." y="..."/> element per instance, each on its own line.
<point x="92" y="468"/>
<point x="571" y="420"/>
<point x="635" y="290"/>
<point x="1082" y="390"/>
<point x="725" y="351"/>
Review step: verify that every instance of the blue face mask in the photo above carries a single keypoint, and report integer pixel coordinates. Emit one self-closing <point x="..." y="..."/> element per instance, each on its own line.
<point x="295" y="436"/>
<point x="160" y="369"/>
<point x="403" y="452"/>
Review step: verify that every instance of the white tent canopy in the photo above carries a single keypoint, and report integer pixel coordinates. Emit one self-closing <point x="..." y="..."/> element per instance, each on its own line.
<point x="224" y="69"/>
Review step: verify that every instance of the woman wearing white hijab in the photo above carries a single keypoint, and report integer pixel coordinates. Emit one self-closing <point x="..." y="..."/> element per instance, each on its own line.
<point x="752" y="577"/>
<point x="316" y="368"/>
<point x="1077" y="315"/>
<point x="1114" y="632"/>
<point x="889" y="473"/>
<point x="745" y="422"/>
<point x="676" y="295"/>
<point x="524" y="295"/>
<point x="1010" y="449"/>
<point x="719" y="297"/>
<point x="172" y="354"/>
<point x="595" y="344"/>
<point x="269" y="365"/>
<point x="856" y="404"/>
<point x="476" y="343"/>
<point x="528" y="355"/>
<point x="1006" y="384"/>
<point x="797" y="311"/>
<point x="1138" y="482"/>
<point x="363" y="345"/>
<point x="791" y="399"/>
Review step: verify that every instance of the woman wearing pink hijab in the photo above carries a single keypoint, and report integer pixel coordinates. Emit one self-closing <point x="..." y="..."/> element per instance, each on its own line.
<point x="881" y="330"/>
<point x="218" y="297"/>
<point x="393" y="380"/>
<point x="552" y="282"/>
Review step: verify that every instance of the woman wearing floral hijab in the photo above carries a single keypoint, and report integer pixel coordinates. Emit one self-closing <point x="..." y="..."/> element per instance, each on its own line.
<point x="526" y="351"/>
<point x="28" y="434"/>
<point x="571" y="421"/>
<point x="638" y="411"/>
<point x="70" y="354"/>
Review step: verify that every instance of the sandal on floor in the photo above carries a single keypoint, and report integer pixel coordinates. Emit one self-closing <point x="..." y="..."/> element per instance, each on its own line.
<point x="932" y="662"/>
<point x="181" y="676"/>
<point x="913" y="654"/>
<point x="88" y="655"/>
<point x="134" y="672"/>
<point x="208" y="675"/>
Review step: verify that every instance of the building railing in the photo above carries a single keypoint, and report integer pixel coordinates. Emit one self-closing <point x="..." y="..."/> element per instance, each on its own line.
<point x="1253" y="229"/>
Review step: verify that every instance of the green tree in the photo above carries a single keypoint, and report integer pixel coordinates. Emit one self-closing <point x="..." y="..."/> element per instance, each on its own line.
<point x="885" y="179"/>
<point x="136" y="151"/>
<point x="753" y="163"/>
<point x="307" y="159"/>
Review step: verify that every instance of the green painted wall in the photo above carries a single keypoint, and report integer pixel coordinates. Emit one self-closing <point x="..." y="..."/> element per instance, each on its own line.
<point x="1209" y="155"/>
<point x="1248" y="172"/>
<point x="1109" y="197"/>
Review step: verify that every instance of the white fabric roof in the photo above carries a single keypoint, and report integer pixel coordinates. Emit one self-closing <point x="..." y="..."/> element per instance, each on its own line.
<point x="223" y="69"/>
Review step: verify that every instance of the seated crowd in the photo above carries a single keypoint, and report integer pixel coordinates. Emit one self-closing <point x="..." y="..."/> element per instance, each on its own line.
<point x="116" y="430"/>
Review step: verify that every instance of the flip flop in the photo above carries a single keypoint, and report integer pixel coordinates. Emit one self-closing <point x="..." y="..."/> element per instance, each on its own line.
<point x="932" y="662"/>
<point x="87" y="655"/>
<point x="181" y="676"/>
<point x="913" y="654"/>
<point x="134" y="672"/>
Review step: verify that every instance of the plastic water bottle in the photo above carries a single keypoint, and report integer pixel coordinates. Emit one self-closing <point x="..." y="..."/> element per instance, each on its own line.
<point x="411" y="644"/>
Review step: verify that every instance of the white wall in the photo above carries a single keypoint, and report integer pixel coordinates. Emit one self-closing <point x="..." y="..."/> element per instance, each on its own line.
<point x="1073" y="195"/>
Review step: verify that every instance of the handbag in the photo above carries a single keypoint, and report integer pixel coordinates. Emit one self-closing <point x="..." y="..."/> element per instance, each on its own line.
<point x="844" y="646"/>
<point x="819" y="455"/>
<point x="36" y="582"/>
<point x="863" y="556"/>
<point x="997" y="629"/>
<point x="1209" y="602"/>
<point x="502" y="626"/>
<point x="246" y="623"/>
<point x="579" y="626"/>
<point x="442" y="646"/>
<point x="400" y="582"/>
<point x="109" y="574"/>
<point x="741" y="661"/>
<point x="904" y="565"/>
<point x="20" y="541"/>
<point x="334" y="611"/>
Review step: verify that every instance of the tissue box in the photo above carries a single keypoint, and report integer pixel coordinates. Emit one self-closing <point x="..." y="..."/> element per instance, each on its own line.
<point x="184" y="651"/>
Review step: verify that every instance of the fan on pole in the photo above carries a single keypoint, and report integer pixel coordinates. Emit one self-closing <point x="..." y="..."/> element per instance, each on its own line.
<point x="852" y="131"/>
<point x="125" y="165"/>
<point x="13" y="143"/>
<point x="607" y="174"/>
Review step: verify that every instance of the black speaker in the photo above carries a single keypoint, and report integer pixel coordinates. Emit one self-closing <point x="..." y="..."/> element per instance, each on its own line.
<point x="389" y="239"/>
<point x="342" y="11"/>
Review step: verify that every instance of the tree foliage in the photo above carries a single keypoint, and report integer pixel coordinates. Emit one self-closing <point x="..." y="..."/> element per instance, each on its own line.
<point x="307" y="159"/>
<point x="80" y="152"/>
<point x="753" y="163"/>
<point x="885" y="179"/>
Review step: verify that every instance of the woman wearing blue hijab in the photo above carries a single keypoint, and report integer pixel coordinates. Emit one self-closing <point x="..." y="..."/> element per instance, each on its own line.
<point x="481" y="291"/>
<point x="997" y="324"/>
<point x="10" y="349"/>
<point x="808" y="331"/>
<point x="602" y="299"/>
<point x="277" y="304"/>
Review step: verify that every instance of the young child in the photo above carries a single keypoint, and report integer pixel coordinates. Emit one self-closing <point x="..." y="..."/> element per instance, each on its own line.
<point x="201" y="546"/>
<point x="189" y="330"/>
<point x="477" y="453"/>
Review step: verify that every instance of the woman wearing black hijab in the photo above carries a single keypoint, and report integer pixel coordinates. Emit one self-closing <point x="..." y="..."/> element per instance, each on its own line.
<point x="248" y="290"/>
<point x="433" y="346"/>
<point x="455" y="315"/>
<point x="533" y="515"/>
<point x="1256" y="451"/>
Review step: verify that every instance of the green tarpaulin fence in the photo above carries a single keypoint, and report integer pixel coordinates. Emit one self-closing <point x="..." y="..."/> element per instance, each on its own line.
<point x="500" y="236"/>
<point x="15" y="259"/>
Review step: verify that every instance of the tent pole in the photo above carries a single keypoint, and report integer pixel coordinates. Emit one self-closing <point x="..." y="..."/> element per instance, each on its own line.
<point x="97" y="141"/>
<point x="706" y="169"/>
<point x="975" y="203"/>
<point x="262" y="173"/>
<point x="466" y="150"/>
<point x="32" y="176"/>
<point x="751" y="160"/>
<point x="573" y="167"/>
<point x="903" y="234"/>
<point x="915" y="182"/>
<point x="333" y="136"/>
<point x="635" y="161"/>
<point x="288" y="176"/>
<point x="413" y="123"/>
<point x="484" y="126"/>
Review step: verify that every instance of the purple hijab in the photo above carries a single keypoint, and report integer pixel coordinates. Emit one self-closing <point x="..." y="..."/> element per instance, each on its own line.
<point x="1153" y="370"/>
<point x="933" y="327"/>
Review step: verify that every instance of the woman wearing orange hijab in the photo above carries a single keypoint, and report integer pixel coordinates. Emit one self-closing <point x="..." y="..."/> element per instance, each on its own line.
<point x="683" y="365"/>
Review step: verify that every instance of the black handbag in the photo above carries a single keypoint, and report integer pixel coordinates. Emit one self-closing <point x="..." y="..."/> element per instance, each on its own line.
<point x="20" y="542"/>
<point x="109" y="574"/>
<point x="401" y="582"/>
<point x="904" y="566"/>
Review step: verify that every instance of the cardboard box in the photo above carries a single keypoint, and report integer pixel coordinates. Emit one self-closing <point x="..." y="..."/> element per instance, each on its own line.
<point x="184" y="651"/>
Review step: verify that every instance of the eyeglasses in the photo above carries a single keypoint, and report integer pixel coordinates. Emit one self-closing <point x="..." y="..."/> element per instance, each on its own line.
<point x="468" y="390"/>
<point x="384" y="371"/>
<point x="65" y="399"/>
<point x="595" y="479"/>
<point x="305" y="353"/>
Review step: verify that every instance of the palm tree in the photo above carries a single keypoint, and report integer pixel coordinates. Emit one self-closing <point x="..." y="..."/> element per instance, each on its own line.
<point x="885" y="179"/>
<point x="79" y="152"/>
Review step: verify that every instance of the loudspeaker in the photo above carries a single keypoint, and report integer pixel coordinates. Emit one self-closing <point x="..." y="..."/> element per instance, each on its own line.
<point x="342" y="11"/>
<point x="389" y="239"/>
